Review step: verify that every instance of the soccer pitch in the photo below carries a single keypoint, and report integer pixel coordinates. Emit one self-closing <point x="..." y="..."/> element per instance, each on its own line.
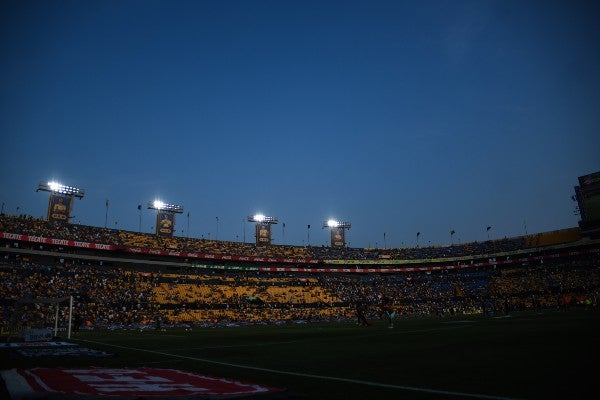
<point x="552" y="355"/>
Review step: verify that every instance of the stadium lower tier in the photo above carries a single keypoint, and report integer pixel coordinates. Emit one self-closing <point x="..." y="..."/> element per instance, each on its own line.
<point x="113" y="297"/>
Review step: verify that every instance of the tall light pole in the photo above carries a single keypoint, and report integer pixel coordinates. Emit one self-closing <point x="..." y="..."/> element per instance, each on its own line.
<point x="217" y="236"/>
<point x="140" y="226"/>
<point x="244" y="228"/>
<point x="106" y="214"/>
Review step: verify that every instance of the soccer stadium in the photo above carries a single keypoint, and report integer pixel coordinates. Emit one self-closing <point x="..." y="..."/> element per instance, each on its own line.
<point x="91" y="312"/>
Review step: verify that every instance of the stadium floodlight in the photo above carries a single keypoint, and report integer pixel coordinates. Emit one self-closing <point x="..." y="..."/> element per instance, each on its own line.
<point x="338" y="231"/>
<point x="263" y="227"/>
<point x="59" y="188"/>
<point x="162" y="206"/>
<point x="260" y="218"/>
<point x="332" y="223"/>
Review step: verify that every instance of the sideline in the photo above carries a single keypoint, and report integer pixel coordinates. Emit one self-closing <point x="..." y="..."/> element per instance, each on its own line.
<point x="314" y="376"/>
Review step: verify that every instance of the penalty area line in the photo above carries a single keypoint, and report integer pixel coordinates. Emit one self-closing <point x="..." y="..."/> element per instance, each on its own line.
<point x="313" y="376"/>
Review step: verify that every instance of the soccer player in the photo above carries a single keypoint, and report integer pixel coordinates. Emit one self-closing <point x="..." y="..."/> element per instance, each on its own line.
<point x="360" y="314"/>
<point x="386" y="310"/>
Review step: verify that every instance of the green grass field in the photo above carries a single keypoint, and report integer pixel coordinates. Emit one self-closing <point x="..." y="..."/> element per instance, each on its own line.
<point x="553" y="355"/>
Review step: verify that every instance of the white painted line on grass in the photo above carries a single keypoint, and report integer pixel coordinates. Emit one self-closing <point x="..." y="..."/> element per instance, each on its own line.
<point x="314" y="376"/>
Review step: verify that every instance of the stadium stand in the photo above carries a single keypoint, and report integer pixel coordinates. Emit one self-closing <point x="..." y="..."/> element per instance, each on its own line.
<point x="116" y="290"/>
<point x="26" y="225"/>
<point x="115" y="297"/>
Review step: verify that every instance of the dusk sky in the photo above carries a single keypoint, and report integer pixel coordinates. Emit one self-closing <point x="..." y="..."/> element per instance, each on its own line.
<point x="397" y="116"/>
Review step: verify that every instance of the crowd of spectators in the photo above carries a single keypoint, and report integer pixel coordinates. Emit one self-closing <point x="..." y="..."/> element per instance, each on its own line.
<point x="104" y="296"/>
<point x="113" y="296"/>
<point x="27" y="225"/>
<point x="39" y="227"/>
<point x="420" y="253"/>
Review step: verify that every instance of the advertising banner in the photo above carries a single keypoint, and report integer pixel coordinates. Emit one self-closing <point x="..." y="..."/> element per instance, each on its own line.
<point x="165" y="223"/>
<point x="263" y="233"/>
<point x="144" y="250"/>
<point x="130" y="383"/>
<point x="59" y="208"/>
<point x="37" y="335"/>
<point x="338" y="237"/>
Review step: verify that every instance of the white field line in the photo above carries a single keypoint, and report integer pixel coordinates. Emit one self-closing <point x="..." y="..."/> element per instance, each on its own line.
<point x="313" y="376"/>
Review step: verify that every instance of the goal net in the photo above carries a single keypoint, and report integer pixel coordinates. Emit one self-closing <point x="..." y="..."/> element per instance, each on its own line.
<point x="41" y="318"/>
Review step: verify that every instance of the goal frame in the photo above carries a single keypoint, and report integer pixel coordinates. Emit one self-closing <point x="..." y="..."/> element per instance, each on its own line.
<point x="56" y="301"/>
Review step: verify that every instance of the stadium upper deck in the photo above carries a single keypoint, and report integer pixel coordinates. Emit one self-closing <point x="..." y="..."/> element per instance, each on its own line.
<point x="36" y="231"/>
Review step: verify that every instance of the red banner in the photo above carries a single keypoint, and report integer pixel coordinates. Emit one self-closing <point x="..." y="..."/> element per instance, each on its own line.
<point x="143" y="250"/>
<point x="123" y="382"/>
<point x="57" y="242"/>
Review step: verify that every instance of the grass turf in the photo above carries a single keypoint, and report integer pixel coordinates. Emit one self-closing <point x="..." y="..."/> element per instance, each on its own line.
<point x="526" y="356"/>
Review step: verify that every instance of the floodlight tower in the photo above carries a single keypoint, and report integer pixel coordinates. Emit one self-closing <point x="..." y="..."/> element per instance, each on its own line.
<point x="263" y="227"/>
<point x="165" y="217"/>
<point x="61" y="199"/>
<point x="338" y="231"/>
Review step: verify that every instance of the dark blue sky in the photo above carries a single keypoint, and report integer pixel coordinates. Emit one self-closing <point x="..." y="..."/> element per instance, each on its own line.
<point x="396" y="116"/>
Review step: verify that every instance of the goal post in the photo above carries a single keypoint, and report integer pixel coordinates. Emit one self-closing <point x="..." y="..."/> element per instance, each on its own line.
<point x="34" y="318"/>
